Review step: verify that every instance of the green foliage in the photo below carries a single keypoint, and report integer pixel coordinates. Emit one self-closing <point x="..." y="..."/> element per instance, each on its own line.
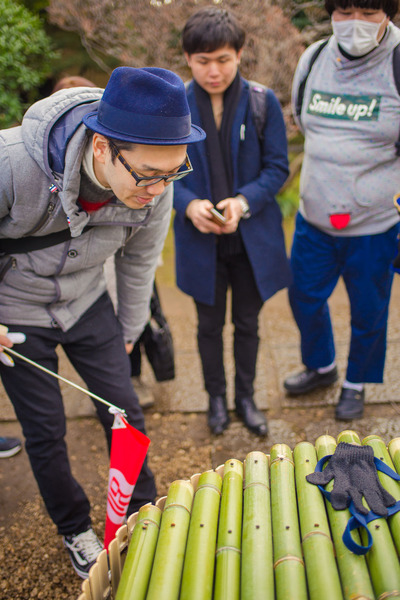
<point x="26" y="58"/>
<point x="35" y="6"/>
<point x="288" y="200"/>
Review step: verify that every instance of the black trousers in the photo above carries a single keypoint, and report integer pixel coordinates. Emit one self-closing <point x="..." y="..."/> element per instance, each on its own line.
<point x="236" y="272"/>
<point x="96" y="349"/>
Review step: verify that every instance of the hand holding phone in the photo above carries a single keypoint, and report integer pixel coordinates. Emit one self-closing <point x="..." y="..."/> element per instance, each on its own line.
<point x="217" y="217"/>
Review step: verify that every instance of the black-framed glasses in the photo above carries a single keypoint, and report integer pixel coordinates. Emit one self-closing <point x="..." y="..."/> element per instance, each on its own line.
<point x="144" y="181"/>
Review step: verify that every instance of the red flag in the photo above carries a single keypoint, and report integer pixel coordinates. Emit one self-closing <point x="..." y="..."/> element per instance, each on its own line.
<point x="128" y="451"/>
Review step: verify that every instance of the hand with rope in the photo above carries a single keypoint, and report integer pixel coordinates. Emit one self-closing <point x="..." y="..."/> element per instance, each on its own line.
<point x="7" y="340"/>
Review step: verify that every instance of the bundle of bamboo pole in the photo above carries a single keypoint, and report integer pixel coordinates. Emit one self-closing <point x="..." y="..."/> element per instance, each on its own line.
<point x="253" y="530"/>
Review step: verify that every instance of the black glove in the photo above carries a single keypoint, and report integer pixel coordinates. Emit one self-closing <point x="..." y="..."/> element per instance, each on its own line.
<point x="354" y="471"/>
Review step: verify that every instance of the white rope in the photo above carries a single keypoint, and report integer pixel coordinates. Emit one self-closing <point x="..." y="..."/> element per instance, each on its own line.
<point x="111" y="407"/>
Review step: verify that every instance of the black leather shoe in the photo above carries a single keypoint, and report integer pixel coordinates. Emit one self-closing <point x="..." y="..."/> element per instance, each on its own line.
<point x="251" y="416"/>
<point x="351" y="405"/>
<point x="308" y="380"/>
<point x="218" y="418"/>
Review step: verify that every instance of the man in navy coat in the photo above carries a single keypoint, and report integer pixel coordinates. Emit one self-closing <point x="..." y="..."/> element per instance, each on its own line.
<point x="238" y="174"/>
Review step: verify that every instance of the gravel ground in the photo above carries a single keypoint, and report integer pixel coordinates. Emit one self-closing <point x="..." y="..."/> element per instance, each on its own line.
<point x="33" y="561"/>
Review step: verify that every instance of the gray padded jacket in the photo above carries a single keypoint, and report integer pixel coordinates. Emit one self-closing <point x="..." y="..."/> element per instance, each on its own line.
<point x="39" y="184"/>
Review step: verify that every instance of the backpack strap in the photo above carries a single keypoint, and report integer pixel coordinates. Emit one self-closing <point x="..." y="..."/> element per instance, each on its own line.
<point x="396" y="75"/>
<point x="302" y="86"/>
<point x="258" y="105"/>
<point x="33" y="242"/>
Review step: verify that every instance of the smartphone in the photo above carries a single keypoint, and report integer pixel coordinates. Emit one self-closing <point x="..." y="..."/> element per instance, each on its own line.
<point x="217" y="217"/>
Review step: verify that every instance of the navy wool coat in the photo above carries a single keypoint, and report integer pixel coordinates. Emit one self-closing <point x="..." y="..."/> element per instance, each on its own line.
<point x="259" y="172"/>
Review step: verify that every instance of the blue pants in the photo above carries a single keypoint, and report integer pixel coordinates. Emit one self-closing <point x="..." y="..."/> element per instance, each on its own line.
<point x="318" y="260"/>
<point x="95" y="348"/>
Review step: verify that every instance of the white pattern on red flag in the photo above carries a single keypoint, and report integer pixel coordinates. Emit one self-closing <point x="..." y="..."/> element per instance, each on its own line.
<point x="128" y="451"/>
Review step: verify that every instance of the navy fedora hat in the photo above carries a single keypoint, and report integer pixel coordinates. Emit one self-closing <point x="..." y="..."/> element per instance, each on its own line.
<point x="145" y="106"/>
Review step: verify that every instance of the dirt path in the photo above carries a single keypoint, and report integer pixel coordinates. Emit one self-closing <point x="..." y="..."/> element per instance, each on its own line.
<point x="33" y="561"/>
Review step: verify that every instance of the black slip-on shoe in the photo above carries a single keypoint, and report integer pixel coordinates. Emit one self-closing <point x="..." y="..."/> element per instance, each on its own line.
<point x="251" y="416"/>
<point x="351" y="405"/>
<point x="309" y="380"/>
<point x="218" y="418"/>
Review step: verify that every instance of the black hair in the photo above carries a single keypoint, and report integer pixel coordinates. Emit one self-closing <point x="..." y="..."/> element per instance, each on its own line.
<point x="113" y="144"/>
<point x="389" y="7"/>
<point x="116" y="146"/>
<point x="211" y="28"/>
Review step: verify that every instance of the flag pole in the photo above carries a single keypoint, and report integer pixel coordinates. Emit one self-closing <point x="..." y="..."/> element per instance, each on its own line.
<point x="111" y="407"/>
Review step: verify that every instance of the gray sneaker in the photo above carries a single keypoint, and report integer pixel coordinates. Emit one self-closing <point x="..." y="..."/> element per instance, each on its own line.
<point x="144" y="392"/>
<point x="83" y="549"/>
<point x="9" y="446"/>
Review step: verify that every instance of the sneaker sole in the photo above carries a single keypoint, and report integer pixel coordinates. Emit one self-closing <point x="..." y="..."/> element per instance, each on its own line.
<point x="146" y="403"/>
<point x="82" y="574"/>
<point x="11" y="452"/>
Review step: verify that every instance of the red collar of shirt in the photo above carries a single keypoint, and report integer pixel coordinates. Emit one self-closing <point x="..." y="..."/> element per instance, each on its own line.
<point x="92" y="206"/>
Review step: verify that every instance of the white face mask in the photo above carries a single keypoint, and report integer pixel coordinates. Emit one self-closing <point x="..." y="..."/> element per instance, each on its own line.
<point x="356" y="37"/>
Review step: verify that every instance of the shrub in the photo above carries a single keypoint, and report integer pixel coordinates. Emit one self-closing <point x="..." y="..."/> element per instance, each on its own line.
<point x="25" y="60"/>
<point x="288" y="198"/>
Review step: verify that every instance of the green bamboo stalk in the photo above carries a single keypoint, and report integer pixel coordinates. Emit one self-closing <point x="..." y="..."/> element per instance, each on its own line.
<point x="139" y="559"/>
<point x="316" y="538"/>
<point x="383" y="563"/>
<point x="227" y="569"/>
<point x="198" y="569"/>
<point x="394" y="450"/>
<point x="257" y="578"/>
<point x="353" y="569"/>
<point x="290" y="578"/>
<point x="349" y="436"/>
<point x="392" y="486"/>
<point x="166" y="574"/>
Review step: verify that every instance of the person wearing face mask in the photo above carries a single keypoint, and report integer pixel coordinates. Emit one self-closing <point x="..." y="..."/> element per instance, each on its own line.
<point x="346" y="103"/>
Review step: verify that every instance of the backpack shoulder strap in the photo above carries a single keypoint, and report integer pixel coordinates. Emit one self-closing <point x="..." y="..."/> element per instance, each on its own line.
<point x="396" y="67"/>
<point x="258" y="106"/>
<point x="300" y="94"/>
<point x="396" y="75"/>
<point x="32" y="243"/>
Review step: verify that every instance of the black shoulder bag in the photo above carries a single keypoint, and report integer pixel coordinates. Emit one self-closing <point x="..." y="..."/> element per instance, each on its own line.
<point x="157" y="342"/>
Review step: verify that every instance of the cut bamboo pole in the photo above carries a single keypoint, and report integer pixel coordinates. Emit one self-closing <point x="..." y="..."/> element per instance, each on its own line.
<point x="139" y="559"/>
<point x="349" y="436"/>
<point x="227" y="569"/>
<point x="394" y="450"/>
<point x="257" y="578"/>
<point x="198" y="570"/>
<point x="353" y="569"/>
<point x="166" y="574"/>
<point x="391" y="485"/>
<point x="383" y="563"/>
<point x="290" y="578"/>
<point x="316" y="538"/>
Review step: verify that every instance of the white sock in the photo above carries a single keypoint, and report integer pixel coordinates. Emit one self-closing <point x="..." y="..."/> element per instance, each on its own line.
<point x="323" y="370"/>
<point x="353" y="386"/>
